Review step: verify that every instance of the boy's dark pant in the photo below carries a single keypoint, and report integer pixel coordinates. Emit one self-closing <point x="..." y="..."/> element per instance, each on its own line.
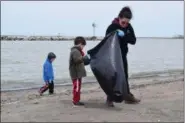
<point x="76" y="89"/>
<point x="49" y="86"/>
<point x="125" y="63"/>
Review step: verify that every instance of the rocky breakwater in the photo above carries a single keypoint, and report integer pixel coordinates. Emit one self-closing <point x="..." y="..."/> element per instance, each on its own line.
<point x="43" y="38"/>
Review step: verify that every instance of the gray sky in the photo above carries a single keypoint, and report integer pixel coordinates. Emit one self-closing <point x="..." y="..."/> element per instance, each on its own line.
<point x="72" y="18"/>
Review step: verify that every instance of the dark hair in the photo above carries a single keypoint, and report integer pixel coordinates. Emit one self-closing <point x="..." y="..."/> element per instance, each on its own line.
<point x="125" y="13"/>
<point x="79" y="40"/>
<point x="51" y="55"/>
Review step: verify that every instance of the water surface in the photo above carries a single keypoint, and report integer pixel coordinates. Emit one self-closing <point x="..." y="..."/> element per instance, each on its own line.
<point x="22" y="61"/>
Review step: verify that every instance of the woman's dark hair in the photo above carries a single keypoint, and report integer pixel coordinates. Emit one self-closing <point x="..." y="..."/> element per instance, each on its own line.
<point x="79" y="40"/>
<point x="51" y="55"/>
<point x="125" y="13"/>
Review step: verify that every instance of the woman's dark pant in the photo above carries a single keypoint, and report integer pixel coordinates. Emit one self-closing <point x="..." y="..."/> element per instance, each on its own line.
<point x="125" y="63"/>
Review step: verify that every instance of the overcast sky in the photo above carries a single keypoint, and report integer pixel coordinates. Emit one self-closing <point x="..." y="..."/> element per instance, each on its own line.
<point x="72" y="18"/>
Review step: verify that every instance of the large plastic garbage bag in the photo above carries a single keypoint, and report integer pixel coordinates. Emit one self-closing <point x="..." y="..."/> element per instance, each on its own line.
<point x="107" y="66"/>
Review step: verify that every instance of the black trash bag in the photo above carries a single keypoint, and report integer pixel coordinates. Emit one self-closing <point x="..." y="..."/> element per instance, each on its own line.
<point x="107" y="66"/>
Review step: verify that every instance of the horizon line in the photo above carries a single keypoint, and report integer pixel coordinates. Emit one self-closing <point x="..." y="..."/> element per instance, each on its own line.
<point x="175" y="36"/>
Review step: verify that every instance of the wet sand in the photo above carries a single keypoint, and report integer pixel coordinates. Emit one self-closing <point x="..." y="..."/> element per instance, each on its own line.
<point x="161" y="100"/>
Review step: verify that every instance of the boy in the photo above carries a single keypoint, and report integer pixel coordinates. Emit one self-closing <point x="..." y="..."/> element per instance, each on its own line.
<point x="77" y="68"/>
<point x="48" y="74"/>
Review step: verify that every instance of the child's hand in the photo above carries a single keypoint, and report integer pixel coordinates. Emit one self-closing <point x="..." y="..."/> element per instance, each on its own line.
<point x="86" y="59"/>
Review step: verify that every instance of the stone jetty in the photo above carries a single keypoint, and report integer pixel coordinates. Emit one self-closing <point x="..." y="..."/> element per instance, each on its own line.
<point x="43" y="38"/>
<point x="67" y="38"/>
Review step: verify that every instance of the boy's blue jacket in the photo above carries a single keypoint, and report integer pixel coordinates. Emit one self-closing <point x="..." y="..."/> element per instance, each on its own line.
<point x="48" y="74"/>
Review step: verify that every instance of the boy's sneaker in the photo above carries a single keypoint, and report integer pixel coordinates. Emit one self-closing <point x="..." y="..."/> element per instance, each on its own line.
<point x="79" y="104"/>
<point x="51" y="93"/>
<point x="40" y="93"/>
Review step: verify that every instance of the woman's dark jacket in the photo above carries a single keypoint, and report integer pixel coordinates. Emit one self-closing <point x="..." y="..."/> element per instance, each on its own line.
<point x="128" y="38"/>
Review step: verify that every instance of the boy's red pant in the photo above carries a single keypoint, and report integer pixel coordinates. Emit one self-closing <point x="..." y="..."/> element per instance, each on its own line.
<point x="76" y="89"/>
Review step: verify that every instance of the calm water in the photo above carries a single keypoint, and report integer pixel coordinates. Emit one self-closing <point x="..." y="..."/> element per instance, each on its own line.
<point x="21" y="62"/>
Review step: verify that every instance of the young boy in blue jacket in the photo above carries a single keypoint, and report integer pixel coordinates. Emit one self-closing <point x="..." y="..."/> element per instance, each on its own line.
<point x="48" y="74"/>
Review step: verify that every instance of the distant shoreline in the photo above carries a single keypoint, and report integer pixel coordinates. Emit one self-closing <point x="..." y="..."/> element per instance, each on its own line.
<point x="65" y="38"/>
<point x="7" y="86"/>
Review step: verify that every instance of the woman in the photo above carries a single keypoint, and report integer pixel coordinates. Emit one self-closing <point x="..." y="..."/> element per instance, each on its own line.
<point x="126" y="35"/>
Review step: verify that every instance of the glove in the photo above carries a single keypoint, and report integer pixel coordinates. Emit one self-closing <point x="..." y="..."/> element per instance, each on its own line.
<point x="120" y="33"/>
<point x="88" y="56"/>
<point x="86" y="59"/>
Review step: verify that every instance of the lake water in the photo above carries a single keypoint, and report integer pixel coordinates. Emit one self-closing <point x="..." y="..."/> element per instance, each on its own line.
<point x="22" y="61"/>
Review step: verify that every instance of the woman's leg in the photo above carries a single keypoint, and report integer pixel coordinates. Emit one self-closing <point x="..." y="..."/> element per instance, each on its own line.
<point x="125" y="63"/>
<point x="130" y="98"/>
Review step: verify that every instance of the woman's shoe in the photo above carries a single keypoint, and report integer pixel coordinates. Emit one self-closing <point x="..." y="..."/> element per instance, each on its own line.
<point x="131" y="99"/>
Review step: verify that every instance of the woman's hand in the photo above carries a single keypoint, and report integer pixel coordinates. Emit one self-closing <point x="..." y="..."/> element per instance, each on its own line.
<point x="120" y="33"/>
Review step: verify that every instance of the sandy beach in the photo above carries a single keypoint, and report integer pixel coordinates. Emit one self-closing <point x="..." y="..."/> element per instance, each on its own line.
<point x="161" y="100"/>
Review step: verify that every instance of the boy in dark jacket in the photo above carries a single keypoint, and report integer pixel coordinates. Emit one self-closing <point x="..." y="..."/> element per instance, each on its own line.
<point x="126" y="34"/>
<point x="77" y="68"/>
<point x="48" y="74"/>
